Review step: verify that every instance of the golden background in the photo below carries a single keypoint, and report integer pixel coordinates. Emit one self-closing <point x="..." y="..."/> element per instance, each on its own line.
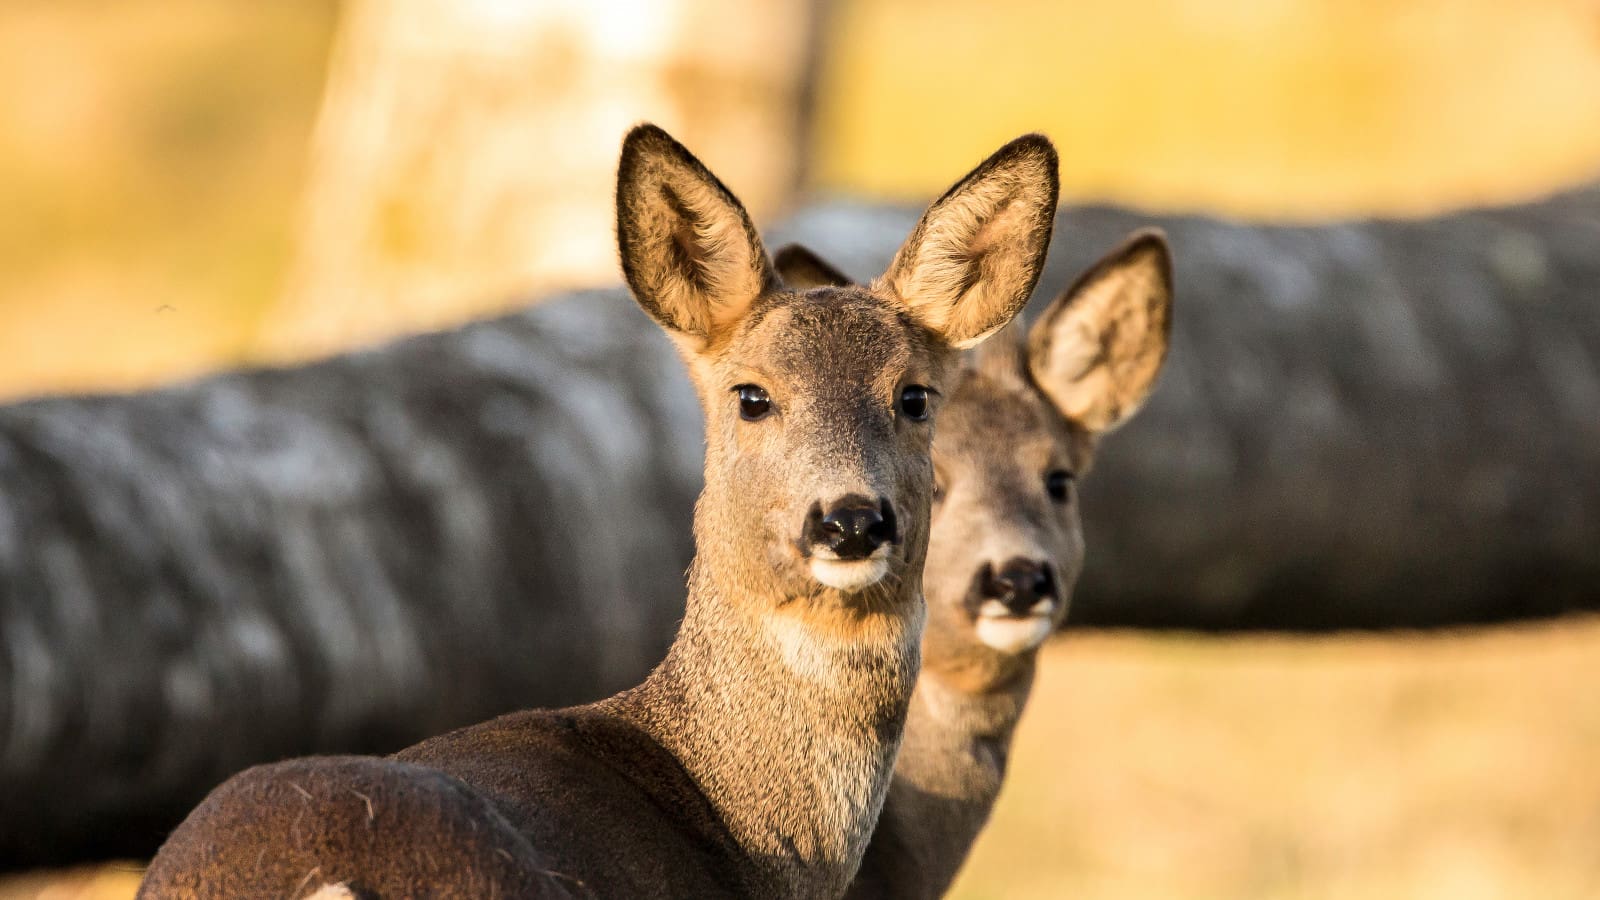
<point x="153" y="152"/>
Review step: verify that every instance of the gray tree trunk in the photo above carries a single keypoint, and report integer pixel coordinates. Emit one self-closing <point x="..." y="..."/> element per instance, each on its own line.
<point x="1372" y="424"/>
<point x="1363" y="425"/>
<point x="352" y="555"/>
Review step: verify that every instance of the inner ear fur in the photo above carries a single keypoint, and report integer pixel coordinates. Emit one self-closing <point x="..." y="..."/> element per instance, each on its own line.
<point x="802" y="269"/>
<point x="971" y="262"/>
<point x="689" y="250"/>
<point x="1097" y="349"/>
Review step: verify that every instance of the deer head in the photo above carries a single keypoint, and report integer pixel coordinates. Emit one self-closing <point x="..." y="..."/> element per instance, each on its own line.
<point x="819" y="402"/>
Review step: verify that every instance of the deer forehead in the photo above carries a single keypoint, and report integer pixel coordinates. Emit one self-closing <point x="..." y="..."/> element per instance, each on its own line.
<point x="996" y="425"/>
<point x="831" y="343"/>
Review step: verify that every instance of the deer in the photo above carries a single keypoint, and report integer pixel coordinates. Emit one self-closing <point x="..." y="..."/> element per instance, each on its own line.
<point x="1020" y="427"/>
<point x="753" y="761"/>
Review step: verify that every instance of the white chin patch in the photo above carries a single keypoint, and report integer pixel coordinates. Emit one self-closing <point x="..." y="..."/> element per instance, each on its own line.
<point x="1010" y="634"/>
<point x="851" y="575"/>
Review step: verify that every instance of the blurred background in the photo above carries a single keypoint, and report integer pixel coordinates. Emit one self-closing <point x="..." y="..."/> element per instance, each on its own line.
<point x="190" y="184"/>
<point x="193" y="185"/>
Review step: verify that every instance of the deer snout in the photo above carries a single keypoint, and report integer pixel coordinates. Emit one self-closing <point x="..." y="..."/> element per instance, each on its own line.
<point x="1023" y="587"/>
<point x="1016" y="604"/>
<point x="853" y="528"/>
<point x="846" y="541"/>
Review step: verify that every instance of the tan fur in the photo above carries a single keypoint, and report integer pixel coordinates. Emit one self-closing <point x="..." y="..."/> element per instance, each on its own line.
<point x="983" y="238"/>
<point x="754" y="761"/>
<point x="999" y="434"/>
<point x="689" y="252"/>
<point x="1097" y="356"/>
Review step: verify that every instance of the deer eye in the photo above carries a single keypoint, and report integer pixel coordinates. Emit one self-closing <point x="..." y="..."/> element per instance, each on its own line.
<point x="754" y="404"/>
<point x="914" y="402"/>
<point x="1057" y="482"/>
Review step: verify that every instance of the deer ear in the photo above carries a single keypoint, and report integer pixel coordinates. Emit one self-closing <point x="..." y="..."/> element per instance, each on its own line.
<point x="802" y="269"/>
<point x="1098" y="348"/>
<point x="972" y="261"/>
<point x="689" y="250"/>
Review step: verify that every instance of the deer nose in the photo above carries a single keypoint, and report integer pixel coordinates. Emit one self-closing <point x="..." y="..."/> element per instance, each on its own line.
<point x="1019" y="584"/>
<point x="853" y="528"/>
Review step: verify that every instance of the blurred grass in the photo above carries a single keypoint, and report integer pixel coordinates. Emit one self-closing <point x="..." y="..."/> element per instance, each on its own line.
<point x="1452" y="767"/>
<point x="111" y="882"/>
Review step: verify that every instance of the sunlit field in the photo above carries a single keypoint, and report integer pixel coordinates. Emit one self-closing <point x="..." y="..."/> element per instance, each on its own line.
<point x="1452" y="767"/>
<point x="110" y="882"/>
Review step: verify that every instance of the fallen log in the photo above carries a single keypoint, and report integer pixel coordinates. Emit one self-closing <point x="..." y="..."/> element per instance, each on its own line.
<point x="346" y="556"/>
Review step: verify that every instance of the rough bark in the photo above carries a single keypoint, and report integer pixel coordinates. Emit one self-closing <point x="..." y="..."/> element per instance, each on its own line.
<point x="1370" y="424"/>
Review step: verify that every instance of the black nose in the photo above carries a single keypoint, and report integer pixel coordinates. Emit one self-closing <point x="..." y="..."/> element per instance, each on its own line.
<point x="853" y="528"/>
<point x="1019" y="584"/>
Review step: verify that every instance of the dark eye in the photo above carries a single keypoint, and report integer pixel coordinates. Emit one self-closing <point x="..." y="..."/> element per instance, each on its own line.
<point x="754" y="404"/>
<point x="1057" y="482"/>
<point x="914" y="402"/>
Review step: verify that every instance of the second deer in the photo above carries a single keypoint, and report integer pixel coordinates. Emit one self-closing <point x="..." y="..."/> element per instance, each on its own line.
<point x="1019" y="428"/>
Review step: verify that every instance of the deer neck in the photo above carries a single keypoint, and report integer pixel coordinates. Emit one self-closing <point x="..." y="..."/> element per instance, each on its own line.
<point x="962" y="719"/>
<point x="951" y="766"/>
<point x="787" y="711"/>
<point x="991" y="695"/>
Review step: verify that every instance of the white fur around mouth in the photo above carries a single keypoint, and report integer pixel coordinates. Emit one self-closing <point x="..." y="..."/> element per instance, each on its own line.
<point x="849" y="575"/>
<point x="1008" y="633"/>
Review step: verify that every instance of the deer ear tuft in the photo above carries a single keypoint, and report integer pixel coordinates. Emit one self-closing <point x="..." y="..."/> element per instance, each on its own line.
<point x="689" y="250"/>
<point x="803" y="269"/>
<point x="971" y="262"/>
<point x="1097" y="349"/>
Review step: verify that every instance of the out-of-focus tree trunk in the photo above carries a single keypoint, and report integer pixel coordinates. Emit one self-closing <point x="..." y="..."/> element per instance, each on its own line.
<point x="346" y="556"/>
<point x="1370" y="424"/>
<point x="466" y="149"/>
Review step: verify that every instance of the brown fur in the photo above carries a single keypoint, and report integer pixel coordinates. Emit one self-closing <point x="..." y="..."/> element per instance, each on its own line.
<point x="1014" y="414"/>
<point x="1097" y="355"/>
<point x="754" y="760"/>
<point x="967" y="245"/>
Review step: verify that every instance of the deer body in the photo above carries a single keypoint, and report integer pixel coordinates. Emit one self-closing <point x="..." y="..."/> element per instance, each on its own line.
<point x="951" y="768"/>
<point x="1022" y="422"/>
<point x="754" y="761"/>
